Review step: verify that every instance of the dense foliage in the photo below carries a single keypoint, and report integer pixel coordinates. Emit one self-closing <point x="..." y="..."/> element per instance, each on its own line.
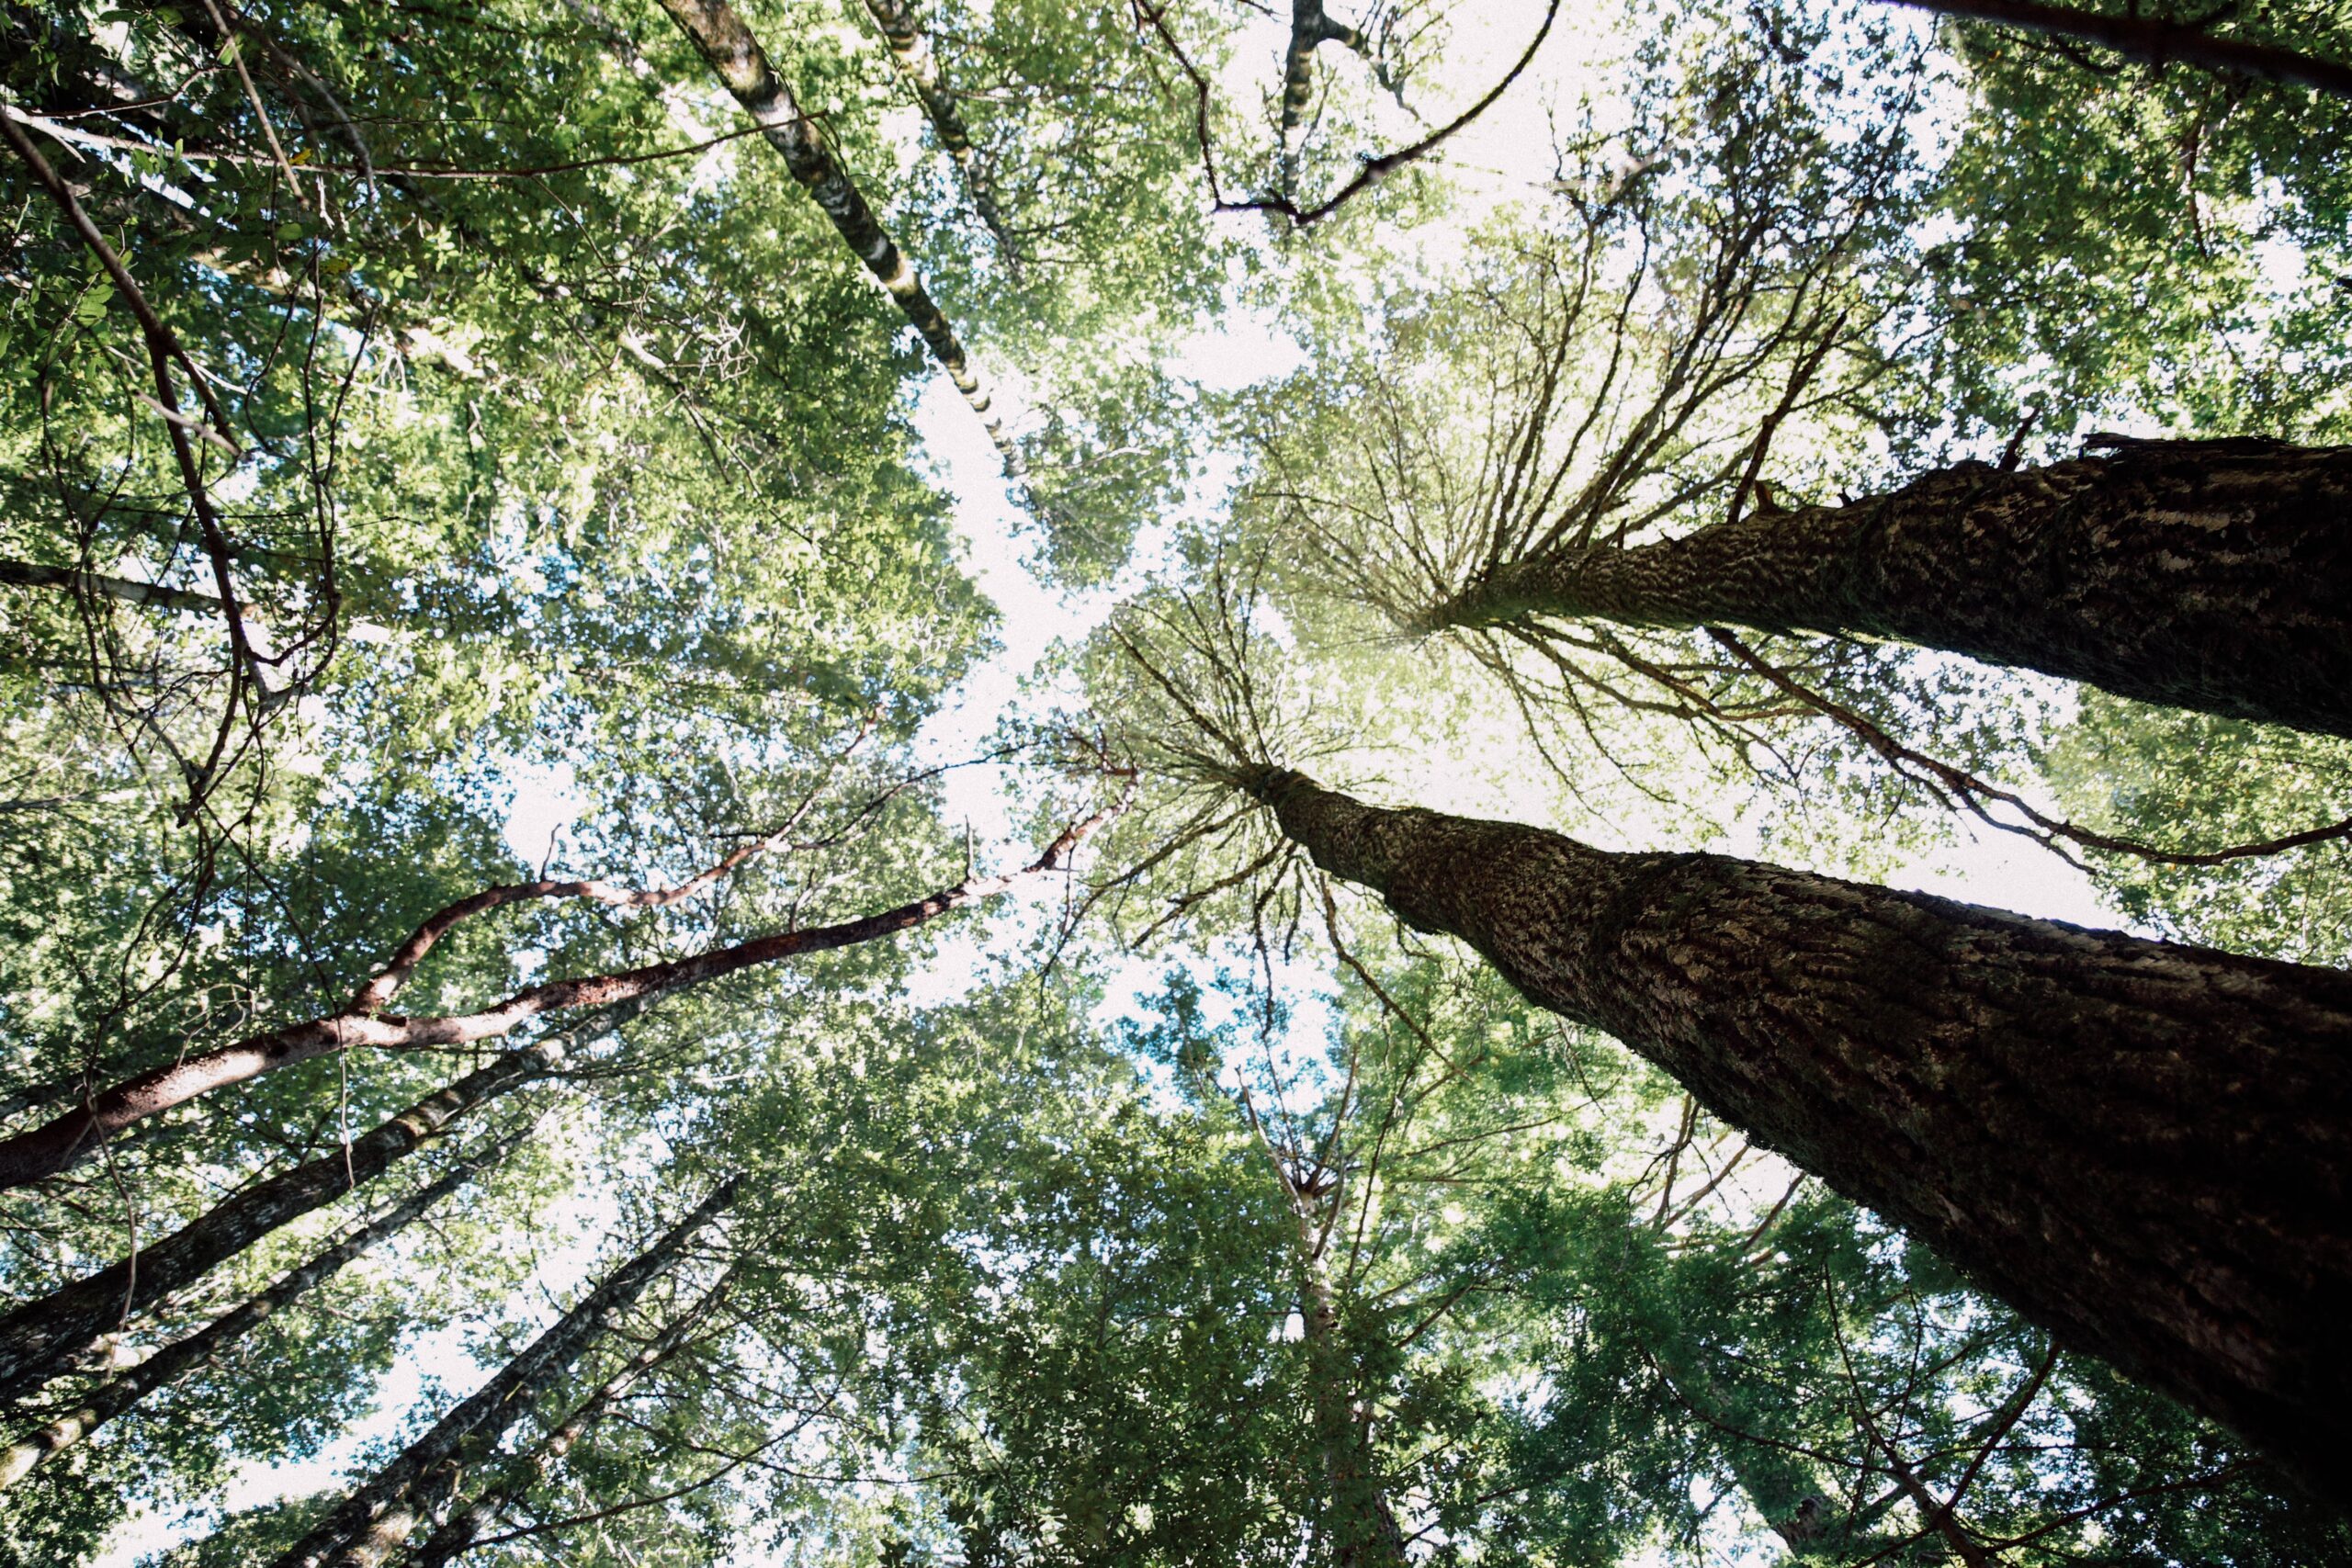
<point x="446" y="451"/>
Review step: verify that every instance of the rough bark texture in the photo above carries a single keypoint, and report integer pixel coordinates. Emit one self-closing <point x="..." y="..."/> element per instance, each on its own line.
<point x="2155" y="42"/>
<point x="2213" y="575"/>
<point x="176" y="1360"/>
<point x="2146" y="1146"/>
<point x="727" y="45"/>
<point x="39" y="1339"/>
<point x="910" y="51"/>
<point x="374" y="1521"/>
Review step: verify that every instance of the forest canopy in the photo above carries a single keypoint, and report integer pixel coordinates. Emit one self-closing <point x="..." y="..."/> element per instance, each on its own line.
<point x="984" y="782"/>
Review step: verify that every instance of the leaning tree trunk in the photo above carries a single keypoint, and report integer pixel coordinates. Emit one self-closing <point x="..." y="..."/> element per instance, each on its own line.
<point x="374" y="1521"/>
<point x="199" y="1349"/>
<point x="2200" y="574"/>
<point x="731" y="51"/>
<point x="2155" y="42"/>
<point x="911" y="52"/>
<point x="458" y="1534"/>
<point x="2146" y="1146"/>
<point x="40" y="1340"/>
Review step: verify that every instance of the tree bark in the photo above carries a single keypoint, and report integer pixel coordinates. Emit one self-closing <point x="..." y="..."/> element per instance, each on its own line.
<point x="27" y="574"/>
<point x="200" y="1349"/>
<point x="39" y="1339"/>
<point x="911" y="52"/>
<point x="2155" y="42"/>
<point x="1359" y="1523"/>
<point x="376" y="1520"/>
<point x="65" y="1140"/>
<point x="458" y="1535"/>
<point x="2146" y="1146"/>
<point x="727" y="45"/>
<point x="2214" y="575"/>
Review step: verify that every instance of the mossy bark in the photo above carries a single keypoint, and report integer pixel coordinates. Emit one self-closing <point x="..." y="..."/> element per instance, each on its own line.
<point x="2146" y="1146"/>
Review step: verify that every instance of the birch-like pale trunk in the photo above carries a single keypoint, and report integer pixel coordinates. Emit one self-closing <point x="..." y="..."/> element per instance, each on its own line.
<point x="720" y="34"/>
<point x="2144" y="1146"/>
<point x="193" y="1352"/>
<point x="911" y="53"/>
<point x="2153" y="42"/>
<point x="2214" y="575"/>
<point x="40" y="1340"/>
<point x="67" y="1139"/>
<point x="376" y="1520"/>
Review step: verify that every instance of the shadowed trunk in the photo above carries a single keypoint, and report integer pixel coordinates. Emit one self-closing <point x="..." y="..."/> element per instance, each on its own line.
<point x="2146" y="1146"/>
<point x="2155" y="42"/>
<point x="2214" y="575"/>
<point x="199" y="1349"/>
<point x="374" y="1521"/>
<point x="736" y="56"/>
<point x="1359" y="1521"/>
<point x="467" y="1524"/>
<point x="40" y="1340"/>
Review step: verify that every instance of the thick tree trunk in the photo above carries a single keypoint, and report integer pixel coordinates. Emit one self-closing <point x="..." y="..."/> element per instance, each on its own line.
<point x="727" y="45"/>
<point x="2146" y="1146"/>
<point x="2155" y="42"/>
<point x="467" y="1524"/>
<point x="374" y="1521"/>
<point x="911" y="52"/>
<point x="2210" y="574"/>
<point x="199" y="1349"/>
<point x="39" y="1339"/>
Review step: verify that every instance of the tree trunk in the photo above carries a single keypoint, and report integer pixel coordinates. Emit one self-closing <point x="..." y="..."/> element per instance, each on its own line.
<point x="2146" y="1146"/>
<point x="1359" y="1522"/>
<point x="465" y="1526"/>
<point x="910" y="51"/>
<point x="2200" y="574"/>
<point x="2155" y="42"/>
<point x="374" y="1521"/>
<point x="45" y="1150"/>
<point x="27" y="574"/>
<point x="39" y="1339"/>
<point x="727" y="45"/>
<point x="200" y="1349"/>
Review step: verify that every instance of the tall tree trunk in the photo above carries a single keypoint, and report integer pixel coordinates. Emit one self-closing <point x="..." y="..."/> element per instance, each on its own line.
<point x="60" y="1143"/>
<point x="911" y="52"/>
<point x="2152" y="41"/>
<point x="2146" y="1146"/>
<point x="199" y="1349"/>
<point x="467" y="1525"/>
<point x="727" y="45"/>
<point x="2200" y="574"/>
<point x="1359" y="1523"/>
<point x="376" y="1520"/>
<point x="40" y="1340"/>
